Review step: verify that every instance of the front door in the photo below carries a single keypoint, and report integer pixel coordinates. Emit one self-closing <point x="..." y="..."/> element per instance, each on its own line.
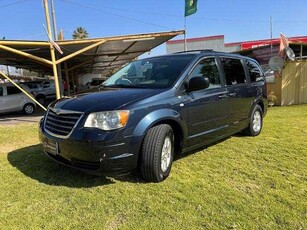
<point x="14" y="98"/>
<point x="207" y="108"/>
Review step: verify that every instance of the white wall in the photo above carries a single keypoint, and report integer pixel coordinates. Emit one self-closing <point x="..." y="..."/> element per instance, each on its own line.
<point x="87" y="78"/>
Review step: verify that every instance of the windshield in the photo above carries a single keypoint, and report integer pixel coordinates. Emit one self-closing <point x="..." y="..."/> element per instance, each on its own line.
<point x="159" y="72"/>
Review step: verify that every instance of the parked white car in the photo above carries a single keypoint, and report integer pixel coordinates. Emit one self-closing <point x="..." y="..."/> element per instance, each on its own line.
<point x="13" y="100"/>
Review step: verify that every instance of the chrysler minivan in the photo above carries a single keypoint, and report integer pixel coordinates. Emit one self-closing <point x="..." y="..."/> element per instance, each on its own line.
<point x="153" y="109"/>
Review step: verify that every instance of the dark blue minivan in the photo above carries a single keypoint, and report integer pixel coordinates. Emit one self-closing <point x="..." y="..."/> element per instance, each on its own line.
<point x="153" y="109"/>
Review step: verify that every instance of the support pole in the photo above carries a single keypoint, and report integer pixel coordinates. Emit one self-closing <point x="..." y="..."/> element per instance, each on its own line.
<point x="67" y="78"/>
<point x="185" y="34"/>
<point x="53" y="59"/>
<point x="73" y="81"/>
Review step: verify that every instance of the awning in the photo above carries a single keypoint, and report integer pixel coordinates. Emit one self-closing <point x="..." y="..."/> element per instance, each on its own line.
<point x="99" y="55"/>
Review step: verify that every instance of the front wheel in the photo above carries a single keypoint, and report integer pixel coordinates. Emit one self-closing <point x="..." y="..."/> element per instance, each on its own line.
<point x="28" y="109"/>
<point x="255" y="123"/>
<point x="157" y="153"/>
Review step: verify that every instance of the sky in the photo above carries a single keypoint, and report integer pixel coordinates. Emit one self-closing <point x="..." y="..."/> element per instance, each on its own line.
<point x="237" y="20"/>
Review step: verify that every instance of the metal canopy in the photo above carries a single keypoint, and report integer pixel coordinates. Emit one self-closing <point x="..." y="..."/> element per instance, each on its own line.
<point x="99" y="55"/>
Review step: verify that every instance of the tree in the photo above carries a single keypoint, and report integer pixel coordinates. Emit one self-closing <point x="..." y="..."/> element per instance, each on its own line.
<point x="80" y="33"/>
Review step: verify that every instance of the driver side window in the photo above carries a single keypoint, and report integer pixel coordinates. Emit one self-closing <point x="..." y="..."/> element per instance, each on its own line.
<point x="207" y="68"/>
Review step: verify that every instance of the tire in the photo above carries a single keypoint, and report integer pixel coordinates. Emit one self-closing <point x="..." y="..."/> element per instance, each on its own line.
<point x="255" y="123"/>
<point x="157" y="153"/>
<point x="28" y="109"/>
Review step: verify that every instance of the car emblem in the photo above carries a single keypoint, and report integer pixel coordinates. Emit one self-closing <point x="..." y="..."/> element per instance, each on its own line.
<point x="57" y="111"/>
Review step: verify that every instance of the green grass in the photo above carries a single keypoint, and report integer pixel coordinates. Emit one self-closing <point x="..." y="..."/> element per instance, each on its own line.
<point x="239" y="183"/>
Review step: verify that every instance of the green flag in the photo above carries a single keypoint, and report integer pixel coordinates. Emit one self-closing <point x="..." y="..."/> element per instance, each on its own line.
<point x="190" y="7"/>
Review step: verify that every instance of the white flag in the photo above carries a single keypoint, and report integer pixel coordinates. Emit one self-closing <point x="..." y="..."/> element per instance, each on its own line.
<point x="56" y="46"/>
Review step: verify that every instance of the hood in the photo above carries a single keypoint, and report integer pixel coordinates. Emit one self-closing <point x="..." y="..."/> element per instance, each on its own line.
<point x="104" y="100"/>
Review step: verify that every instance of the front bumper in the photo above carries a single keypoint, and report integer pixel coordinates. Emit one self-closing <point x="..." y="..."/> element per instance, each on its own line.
<point x="93" y="151"/>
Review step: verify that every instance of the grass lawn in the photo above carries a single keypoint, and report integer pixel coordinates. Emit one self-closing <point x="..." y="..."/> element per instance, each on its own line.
<point x="239" y="183"/>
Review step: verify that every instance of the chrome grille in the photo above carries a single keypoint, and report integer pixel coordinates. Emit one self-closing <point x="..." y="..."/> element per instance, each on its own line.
<point x="62" y="123"/>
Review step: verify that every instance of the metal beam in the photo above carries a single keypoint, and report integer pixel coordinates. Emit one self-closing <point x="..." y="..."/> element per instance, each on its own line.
<point x="81" y="64"/>
<point x="24" y="43"/>
<point x="42" y="60"/>
<point x="80" y="51"/>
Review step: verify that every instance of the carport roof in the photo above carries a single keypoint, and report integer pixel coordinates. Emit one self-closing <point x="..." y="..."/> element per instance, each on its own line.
<point x="99" y="55"/>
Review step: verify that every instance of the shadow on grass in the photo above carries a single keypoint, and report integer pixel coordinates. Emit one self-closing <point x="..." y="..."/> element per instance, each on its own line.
<point x="32" y="162"/>
<point x="201" y="148"/>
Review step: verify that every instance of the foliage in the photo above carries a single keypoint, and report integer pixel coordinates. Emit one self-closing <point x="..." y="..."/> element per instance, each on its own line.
<point x="239" y="183"/>
<point x="80" y="33"/>
<point x="272" y="99"/>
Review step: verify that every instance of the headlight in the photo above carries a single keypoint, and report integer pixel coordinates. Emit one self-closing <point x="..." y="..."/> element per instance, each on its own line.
<point x="108" y="120"/>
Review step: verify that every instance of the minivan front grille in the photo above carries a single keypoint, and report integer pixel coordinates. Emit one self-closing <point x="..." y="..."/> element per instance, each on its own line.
<point x="62" y="123"/>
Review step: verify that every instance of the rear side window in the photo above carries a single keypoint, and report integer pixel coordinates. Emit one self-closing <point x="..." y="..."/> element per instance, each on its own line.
<point x="254" y="71"/>
<point x="234" y="71"/>
<point x="12" y="90"/>
<point x="207" y="68"/>
<point x="1" y="91"/>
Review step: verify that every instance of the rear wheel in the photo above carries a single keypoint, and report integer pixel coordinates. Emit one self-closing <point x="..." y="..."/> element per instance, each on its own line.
<point x="255" y="124"/>
<point x="157" y="153"/>
<point x="28" y="109"/>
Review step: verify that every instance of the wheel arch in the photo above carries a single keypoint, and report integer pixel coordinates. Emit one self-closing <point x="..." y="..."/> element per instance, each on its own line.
<point x="164" y="116"/>
<point x="177" y="131"/>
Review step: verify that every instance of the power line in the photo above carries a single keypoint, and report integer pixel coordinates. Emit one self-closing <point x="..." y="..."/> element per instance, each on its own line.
<point x="179" y="16"/>
<point x="103" y="12"/>
<point x="142" y="12"/>
<point x="13" y="3"/>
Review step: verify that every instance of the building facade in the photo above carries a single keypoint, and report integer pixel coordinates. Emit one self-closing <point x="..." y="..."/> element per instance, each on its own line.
<point x="217" y="43"/>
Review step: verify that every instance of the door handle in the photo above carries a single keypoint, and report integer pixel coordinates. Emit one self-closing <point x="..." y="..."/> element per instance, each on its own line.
<point x="232" y="94"/>
<point x="223" y="96"/>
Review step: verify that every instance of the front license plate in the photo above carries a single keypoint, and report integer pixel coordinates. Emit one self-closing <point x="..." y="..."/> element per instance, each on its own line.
<point x="51" y="147"/>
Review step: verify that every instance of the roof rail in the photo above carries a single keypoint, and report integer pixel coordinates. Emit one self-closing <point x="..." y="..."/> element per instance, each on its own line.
<point x="200" y="51"/>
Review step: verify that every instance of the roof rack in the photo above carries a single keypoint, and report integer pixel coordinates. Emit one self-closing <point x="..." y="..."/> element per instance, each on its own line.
<point x="200" y="51"/>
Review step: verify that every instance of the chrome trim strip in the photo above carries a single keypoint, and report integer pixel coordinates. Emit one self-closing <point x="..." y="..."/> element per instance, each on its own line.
<point x="62" y="112"/>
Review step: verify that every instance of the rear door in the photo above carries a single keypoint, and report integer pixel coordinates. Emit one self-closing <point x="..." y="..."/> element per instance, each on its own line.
<point x="207" y="108"/>
<point x="14" y="99"/>
<point x="240" y="97"/>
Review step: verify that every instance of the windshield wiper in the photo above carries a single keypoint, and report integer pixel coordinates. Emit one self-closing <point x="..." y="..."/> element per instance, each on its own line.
<point x="123" y="86"/>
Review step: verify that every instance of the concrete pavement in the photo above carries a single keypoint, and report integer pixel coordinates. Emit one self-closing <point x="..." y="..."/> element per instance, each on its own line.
<point x="20" y="118"/>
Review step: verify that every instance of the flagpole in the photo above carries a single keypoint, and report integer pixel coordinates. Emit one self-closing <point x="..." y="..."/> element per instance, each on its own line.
<point x="185" y="33"/>
<point x="271" y="32"/>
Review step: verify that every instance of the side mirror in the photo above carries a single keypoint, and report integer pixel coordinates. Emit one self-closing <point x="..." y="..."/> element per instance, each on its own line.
<point x="198" y="83"/>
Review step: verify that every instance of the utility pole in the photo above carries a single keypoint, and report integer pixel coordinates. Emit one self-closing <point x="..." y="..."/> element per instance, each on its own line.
<point x="55" y="37"/>
<point x="53" y="59"/>
<point x="53" y="21"/>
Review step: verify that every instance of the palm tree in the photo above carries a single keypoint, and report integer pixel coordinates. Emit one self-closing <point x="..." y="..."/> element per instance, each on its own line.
<point x="80" y="33"/>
